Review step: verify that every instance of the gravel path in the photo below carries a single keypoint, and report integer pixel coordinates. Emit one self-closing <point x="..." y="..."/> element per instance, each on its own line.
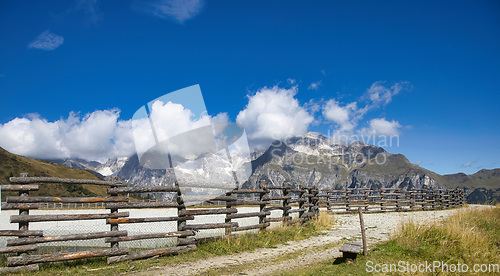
<point x="268" y="261"/>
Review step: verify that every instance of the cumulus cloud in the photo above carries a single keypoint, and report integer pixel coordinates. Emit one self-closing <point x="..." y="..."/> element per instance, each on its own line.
<point x="381" y="126"/>
<point x="315" y="85"/>
<point x="47" y="41"/>
<point x="177" y="10"/>
<point x="96" y="136"/>
<point x="347" y="116"/>
<point x="273" y="113"/>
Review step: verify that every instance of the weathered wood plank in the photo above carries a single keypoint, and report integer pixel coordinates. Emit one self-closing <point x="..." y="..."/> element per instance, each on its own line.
<point x="20" y="233"/>
<point x="150" y="253"/>
<point x="247" y="215"/>
<point x="28" y="180"/>
<point x="18" y="249"/>
<point x="38" y="199"/>
<point x="296" y="210"/>
<point x="211" y="211"/>
<point x="247" y="202"/>
<point x="247" y="191"/>
<point x="271" y="208"/>
<point x="57" y="257"/>
<point x="23" y="268"/>
<point x="63" y="217"/>
<point x="210" y="226"/>
<point x="71" y="237"/>
<point x="351" y="247"/>
<point x="19" y="206"/>
<point x="177" y="234"/>
<point x="277" y="219"/>
<point x="23" y="188"/>
<point x="276" y="187"/>
<point x="223" y="198"/>
<point x="250" y="227"/>
<point x="143" y="220"/>
<point x="123" y="190"/>
<point x="276" y="197"/>
<point x="208" y="186"/>
<point x="186" y="241"/>
<point x="139" y="205"/>
<point x="297" y="200"/>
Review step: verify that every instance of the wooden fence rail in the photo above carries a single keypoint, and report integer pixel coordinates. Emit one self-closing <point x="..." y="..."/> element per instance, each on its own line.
<point x="297" y="205"/>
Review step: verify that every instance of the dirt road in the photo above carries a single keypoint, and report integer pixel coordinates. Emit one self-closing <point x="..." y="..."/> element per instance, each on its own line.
<point x="297" y="254"/>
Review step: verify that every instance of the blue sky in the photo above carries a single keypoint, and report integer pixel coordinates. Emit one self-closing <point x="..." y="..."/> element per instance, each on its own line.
<point x="426" y="71"/>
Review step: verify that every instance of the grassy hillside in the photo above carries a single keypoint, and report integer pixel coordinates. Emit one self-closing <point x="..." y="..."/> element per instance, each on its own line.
<point x="13" y="165"/>
<point x="487" y="179"/>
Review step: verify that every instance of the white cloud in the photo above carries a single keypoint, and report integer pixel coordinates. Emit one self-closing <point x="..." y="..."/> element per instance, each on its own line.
<point x="345" y="117"/>
<point x="273" y="113"/>
<point x="178" y="10"/>
<point x="47" y="41"/>
<point x="380" y="126"/>
<point x="314" y="85"/>
<point x="92" y="137"/>
<point x="99" y="135"/>
<point x="379" y="94"/>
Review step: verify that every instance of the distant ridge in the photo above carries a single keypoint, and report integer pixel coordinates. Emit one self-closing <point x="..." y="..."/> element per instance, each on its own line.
<point x="13" y="165"/>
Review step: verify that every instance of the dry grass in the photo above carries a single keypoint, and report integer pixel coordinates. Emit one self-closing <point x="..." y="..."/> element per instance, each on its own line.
<point x="471" y="236"/>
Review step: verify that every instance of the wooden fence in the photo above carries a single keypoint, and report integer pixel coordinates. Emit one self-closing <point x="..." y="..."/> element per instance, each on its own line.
<point x="22" y="251"/>
<point x="390" y="199"/>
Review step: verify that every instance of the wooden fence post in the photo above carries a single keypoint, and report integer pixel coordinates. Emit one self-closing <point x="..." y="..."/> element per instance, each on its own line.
<point x="398" y="198"/>
<point x="366" y="200"/>
<point x="181" y="211"/>
<point x="285" y="205"/>
<point x="314" y="201"/>
<point x="347" y="200"/>
<point x="23" y="226"/>
<point x="328" y="202"/>
<point x="302" y="202"/>
<point x="412" y="200"/>
<point x="114" y="226"/>
<point x="229" y="230"/>
<point x="363" y="234"/>
<point x="262" y="217"/>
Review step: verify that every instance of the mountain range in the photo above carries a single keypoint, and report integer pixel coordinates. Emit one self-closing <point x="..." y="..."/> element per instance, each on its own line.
<point x="313" y="159"/>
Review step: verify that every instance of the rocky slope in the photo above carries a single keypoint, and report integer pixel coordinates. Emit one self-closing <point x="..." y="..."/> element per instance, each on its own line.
<point x="316" y="160"/>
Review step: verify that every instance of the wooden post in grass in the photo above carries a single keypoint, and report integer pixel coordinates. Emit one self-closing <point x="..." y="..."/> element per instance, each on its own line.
<point x="363" y="234"/>
<point x="23" y="226"/>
